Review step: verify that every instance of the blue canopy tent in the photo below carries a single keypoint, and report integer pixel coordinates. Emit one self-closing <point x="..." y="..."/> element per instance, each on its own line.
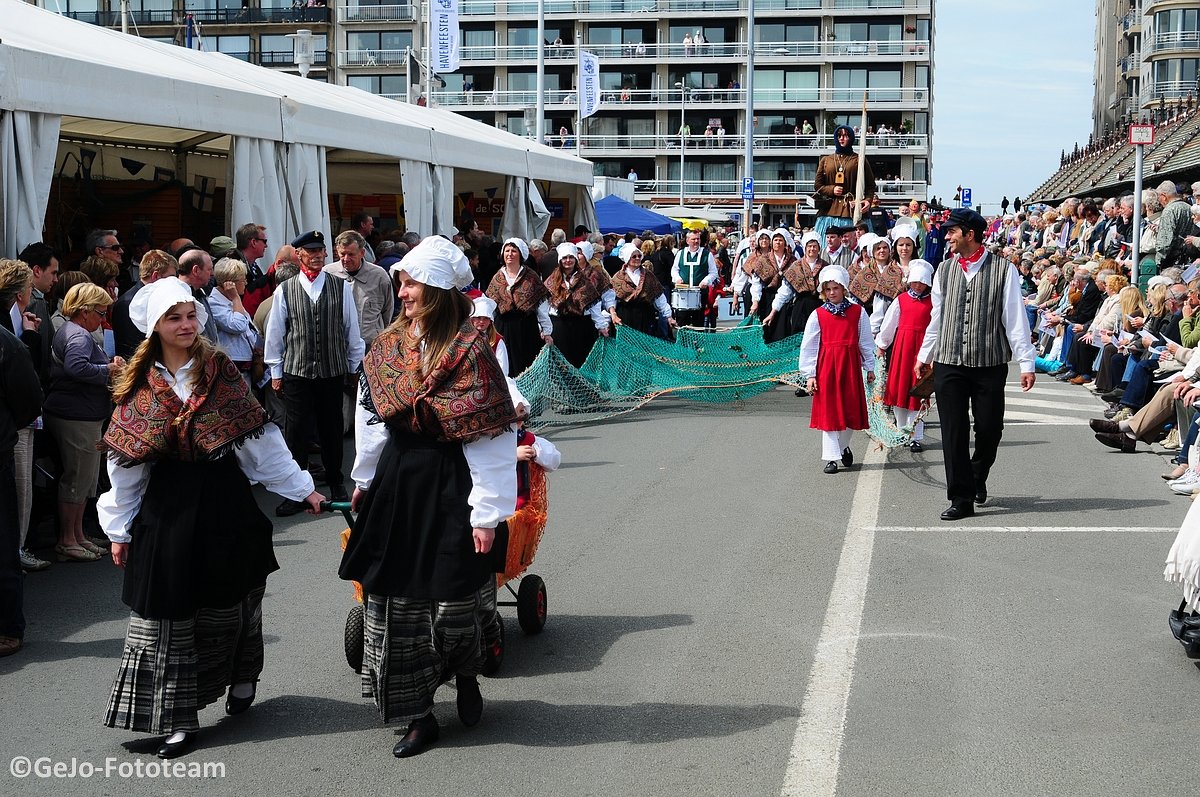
<point x="619" y="216"/>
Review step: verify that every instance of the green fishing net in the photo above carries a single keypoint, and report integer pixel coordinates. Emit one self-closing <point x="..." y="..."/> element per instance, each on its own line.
<point x="631" y="369"/>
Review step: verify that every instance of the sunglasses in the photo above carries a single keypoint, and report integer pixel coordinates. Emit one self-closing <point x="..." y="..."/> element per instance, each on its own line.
<point x="114" y="248"/>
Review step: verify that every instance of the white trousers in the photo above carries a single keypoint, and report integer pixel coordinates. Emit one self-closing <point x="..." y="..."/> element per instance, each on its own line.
<point x="904" y="418"/>
<point x="833" y="443"/>
<point x="23" y="465"/>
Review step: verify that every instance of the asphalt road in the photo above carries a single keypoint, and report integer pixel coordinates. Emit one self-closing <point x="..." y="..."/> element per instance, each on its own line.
<point x="719" y="624"/>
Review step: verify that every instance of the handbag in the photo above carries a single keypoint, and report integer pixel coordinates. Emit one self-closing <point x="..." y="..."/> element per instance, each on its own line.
<point x="923" y="388"/>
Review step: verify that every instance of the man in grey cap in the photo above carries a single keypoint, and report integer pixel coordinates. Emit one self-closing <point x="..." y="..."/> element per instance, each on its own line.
<point x="313" y="348"/>
<point x="977" y="324"/>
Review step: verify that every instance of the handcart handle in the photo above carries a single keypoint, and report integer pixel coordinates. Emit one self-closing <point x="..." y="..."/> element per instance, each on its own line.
<point x="335" y="506"/>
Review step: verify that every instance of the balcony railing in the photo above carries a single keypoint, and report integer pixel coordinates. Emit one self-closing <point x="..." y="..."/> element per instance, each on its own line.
<point x="364" y="13"/>
<point x="1129" y="62"/>
<point x="811" y="144"/>
<point x="818" y="51"/>
<point x="247" y="16"/>
<point x="389" y="58"/>
<point x="695" y="97"/>
<point x="892" y="189"/>
<point x="1132" y="21"/>
<point x="577" y="8"/>
<point x="288" y="58"/>
<point x="1169" y="90"/>
<point x="1174" y="40"/>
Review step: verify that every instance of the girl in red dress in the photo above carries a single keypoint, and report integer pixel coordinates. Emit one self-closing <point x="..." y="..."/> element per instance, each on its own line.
<point x="837" y="348"/>
<point x="903" y="330"/>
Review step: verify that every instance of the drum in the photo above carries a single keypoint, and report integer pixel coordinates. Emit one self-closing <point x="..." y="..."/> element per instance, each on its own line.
<point x="686" y="299"/>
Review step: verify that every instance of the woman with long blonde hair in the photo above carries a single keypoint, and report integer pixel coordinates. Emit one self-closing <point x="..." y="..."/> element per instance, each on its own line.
<point x="435" y="421"/>
<point x="184" y="442"/>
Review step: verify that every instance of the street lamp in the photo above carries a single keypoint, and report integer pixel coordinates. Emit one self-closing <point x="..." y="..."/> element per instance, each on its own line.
<point x="682" y="137"/>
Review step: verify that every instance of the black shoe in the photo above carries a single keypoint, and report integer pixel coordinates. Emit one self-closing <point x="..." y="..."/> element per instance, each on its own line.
<point x="338" y="493"/>
<point x="470" y="702"/>
<point x="801" y="392"/>
<point x="1066" y="376"/>
<point x="916" y="447"/>
<point x="847" y="457"/>
<point x="958" y="512"/>
<point x="236" y="705"/>
<point x="1059" y="371"/>
<point x="176" y="749"/>
<point x="288" y="507"/>
<point x="981" y="495"/>
<point x="831" y="466"/>
<point x="422" y="733"/>
<point x="1113" y="395"/>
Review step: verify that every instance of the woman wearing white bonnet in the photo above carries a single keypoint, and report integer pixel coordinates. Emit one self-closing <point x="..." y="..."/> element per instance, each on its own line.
<point x="522" y="311"/>
<point x="435" y="418"/>
<point x="902" y="331"/>
<point x="641" y="301"/>
<point x="905" y="239"/>
<point x="878" y="280"/>
<point x="576" y="304"/>
<point x="836" y="349"/>
<point x="766" y="277"/>
<point x="798" y="295"/>
<point x="185" y="441"/>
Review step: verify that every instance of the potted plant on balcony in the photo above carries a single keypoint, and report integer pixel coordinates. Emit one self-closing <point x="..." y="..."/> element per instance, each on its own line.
<point x="910" y="28"/>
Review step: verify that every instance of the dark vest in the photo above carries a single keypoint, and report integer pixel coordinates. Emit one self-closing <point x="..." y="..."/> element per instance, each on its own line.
<point x="693" y="271"/>
<point x="314" y="344"/>
<point x="972" y="329"/>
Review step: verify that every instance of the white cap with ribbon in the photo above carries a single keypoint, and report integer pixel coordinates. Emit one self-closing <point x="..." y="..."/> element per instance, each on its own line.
<point x="152" y="302"/>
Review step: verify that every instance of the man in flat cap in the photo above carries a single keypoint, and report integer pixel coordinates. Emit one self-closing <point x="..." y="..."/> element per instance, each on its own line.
<point x="313" y="347"/>
<point x="978" y="323"/>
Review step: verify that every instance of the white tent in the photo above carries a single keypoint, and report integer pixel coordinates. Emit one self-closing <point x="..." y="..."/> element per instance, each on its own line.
<point x="279" y="142"/>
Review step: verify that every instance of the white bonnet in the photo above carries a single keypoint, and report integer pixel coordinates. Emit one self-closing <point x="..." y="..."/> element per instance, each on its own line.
<point x="834" y="274"/>
<point x="904" y="231"/>
<point x="483" y="307"/>
<point x="438" y="263"/>
<point x="152" y="302"/>
<point x="627" y="252"/>
<point x="567" y="249"/>
<point x="920" y="271"/>
<point x="522" y="247"/>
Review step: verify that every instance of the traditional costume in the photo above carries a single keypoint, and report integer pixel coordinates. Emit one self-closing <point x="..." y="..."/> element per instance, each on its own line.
<point x="837" y="348"/>
<point x="799" y="293"/>
<point x="576" y="311"/>
<point x="766" y="276"/>
<point x="522" y="312"/>
<point x="483" y="307"/>
<point x="182" y="451"/>
<point x="641" y="303"/>
<point x="902" y="331"/>
<point x="873" y="286"/>
<point x="695" y="269"/>
<point x="436" y="458"/>
<point x="840" y="170"/>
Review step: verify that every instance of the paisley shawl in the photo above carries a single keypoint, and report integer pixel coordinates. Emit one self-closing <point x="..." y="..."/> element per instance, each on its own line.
<point x="525" y="294"/>
<point x="648" y="290"/>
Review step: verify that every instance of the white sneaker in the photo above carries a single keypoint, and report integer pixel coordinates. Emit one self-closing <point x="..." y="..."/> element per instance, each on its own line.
<point x="30" y="563"/>
<point x="1190" y="476"/>
<point x="1186" y="488"/>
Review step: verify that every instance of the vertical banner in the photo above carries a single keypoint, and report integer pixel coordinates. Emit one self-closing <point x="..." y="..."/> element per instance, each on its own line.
<point x="589" y="84"/>
<point x="443" y="36"/>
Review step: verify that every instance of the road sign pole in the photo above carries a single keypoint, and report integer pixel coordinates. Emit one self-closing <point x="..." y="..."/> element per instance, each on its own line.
<point x="1137" y="212"/>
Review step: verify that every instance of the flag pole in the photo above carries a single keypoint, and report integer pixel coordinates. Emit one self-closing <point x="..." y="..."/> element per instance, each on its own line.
<point x="860" y="178"/>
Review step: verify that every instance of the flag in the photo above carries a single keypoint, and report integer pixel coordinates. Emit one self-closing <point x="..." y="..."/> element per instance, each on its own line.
<point x="443" y="36"/>
<point x="589" y="84"/>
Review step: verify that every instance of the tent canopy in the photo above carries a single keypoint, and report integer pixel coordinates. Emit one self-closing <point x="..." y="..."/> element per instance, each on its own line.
<point x="616" y="215"/>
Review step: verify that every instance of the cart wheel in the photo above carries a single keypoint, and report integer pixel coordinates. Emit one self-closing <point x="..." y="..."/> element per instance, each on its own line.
<point x="531" y="604"/>
<point x="494" y="655"/>
<point x="354" y="638"/>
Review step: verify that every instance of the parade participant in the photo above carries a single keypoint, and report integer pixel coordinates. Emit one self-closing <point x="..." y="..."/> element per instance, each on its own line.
<point x="902" y="331"/>
<point x="798" y="295"/>
<point x="435" y="419"/>
<point x="522" y="309"/>
<point x="765" y="278"/>
<point x="876" y="284"/>
<point x="976" y="325"/>
<point x="837" y="253"/>
<point x="185" y="441"/>
<point x="904" y="246"/>
<point x="836" y="180"/>
<point x="694" y="267"/>
<point x="641" y="303"/>
<point x="837" y="348"/>
<point x="483" y="314"/>
<point x="575" y="305"/>
<point x="759" y="245"/>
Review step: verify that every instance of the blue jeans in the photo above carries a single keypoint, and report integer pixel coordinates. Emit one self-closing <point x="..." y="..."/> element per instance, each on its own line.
<point x="1182" y="457"/>
<point x="1140" y="383"/>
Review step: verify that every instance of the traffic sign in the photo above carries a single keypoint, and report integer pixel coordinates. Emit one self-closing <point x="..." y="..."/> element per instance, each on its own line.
<point x="1141" y="134"/>
<point x="966" y="197"/>
<point x="748" y="188"/>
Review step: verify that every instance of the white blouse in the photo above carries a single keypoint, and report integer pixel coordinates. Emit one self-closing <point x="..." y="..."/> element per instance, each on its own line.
<point x="263" y="459"/>
<point x="543" y="309"/>
<point x="810" y="347"/>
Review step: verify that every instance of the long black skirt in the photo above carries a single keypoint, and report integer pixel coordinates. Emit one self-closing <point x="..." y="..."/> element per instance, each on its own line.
<point x="199" y="541"/>
<point x="412" y="537"/>
<point x="798" y="311"/>
<point x="574" y="335"/>
<point x="521" y="336"/>
<point x="641" y="316"/>
<point x="777" y="330"/>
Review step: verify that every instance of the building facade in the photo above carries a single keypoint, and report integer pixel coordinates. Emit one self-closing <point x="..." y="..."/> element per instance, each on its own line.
<point x="667" y="67"/>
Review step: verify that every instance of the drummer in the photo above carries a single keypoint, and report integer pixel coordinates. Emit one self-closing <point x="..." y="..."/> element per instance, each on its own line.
<point x="694" y="267"/>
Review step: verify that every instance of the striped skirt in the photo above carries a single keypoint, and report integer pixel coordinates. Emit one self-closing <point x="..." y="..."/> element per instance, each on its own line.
<point x="412" y="647"/>
<point x="173" y="668"/>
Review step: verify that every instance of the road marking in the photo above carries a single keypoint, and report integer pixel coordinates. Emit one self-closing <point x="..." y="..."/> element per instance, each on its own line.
<point x="1035" y="529"/>
<point x="813" y="764"/>
<point x="1076" y="406"/>
<point x="1042" y="419"/>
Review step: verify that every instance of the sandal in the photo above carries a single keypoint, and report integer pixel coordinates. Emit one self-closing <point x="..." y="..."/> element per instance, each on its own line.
<point x="88" y="545"/>
<point x="74" y="553"/>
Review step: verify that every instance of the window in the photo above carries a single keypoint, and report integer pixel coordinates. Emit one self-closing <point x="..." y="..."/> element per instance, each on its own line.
<point x="780" y="85"/>
<point x="1175" y="77"/>
<point x="884" y="84"/>
<point x="393" y="86"/>
<point x="714" y="34"/>
<point x="922" y="77"/>
<point x="785" y="32"/>
<point x="867" y="31"/>
<point x="921" y="123"/>
<point x="1177" y="20"/>
<point x="920" y="170"/>
<point x="922" y="33"/>
<point x="483" y="37"/>
<point x="235" y="46"/>
<point x="377" y="49"/>
<point x="526" y="35"/>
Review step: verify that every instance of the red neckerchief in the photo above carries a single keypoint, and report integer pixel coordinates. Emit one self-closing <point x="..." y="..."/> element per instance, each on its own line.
<point x="967" y="262"/>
